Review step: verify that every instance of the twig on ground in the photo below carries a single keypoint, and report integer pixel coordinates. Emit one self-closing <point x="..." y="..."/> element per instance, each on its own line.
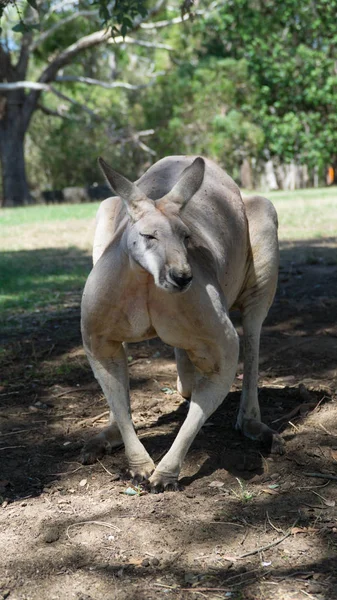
<point x="82" y="388"/>
<point x="273" y="526"/>
<point x="93" y="419"/>
<point x="325" y="500"/>
<point x="203" y="589"/>
<point x="326" y="431"/>
<point x="293" y="425"/>
<point x="67" y="472"/>
<point x="168" y="587"/>
<point x="316" y="506"/>
<point x="105" y="469"/>
<point x="101" y="523"/>
<point x="321" y="476"/>
<point x="307" y="594"/>
<point x="245" y="535"/>
<point x="311" y="487"/>
<point x="215" y="589"/>
<point x="271" y="545"/>
<point x="10" y="447"/>
<point x="136" y="361"/>
<point x="18" y="431"/>
<point x="227" y="523"/>
<point x="320" y="402"/>
<point x="256" y="570"/>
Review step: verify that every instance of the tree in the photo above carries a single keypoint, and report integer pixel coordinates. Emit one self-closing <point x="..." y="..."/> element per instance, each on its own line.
<point x="49" y="46"/>
<point x="290" y="48"/>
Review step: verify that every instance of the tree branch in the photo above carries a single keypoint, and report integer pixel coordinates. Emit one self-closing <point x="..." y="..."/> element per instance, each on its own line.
<point x="46" y="34"/>
<point x="166" y="23"/>
<point x="54" y="113"/>
<point x="74" y="102"/>
<point x="44" y="87"/>
<point x="57" y="7"/>
<point x="104" y="84"/>
<point x="132" y="136"/>
<point x="22" y="64"/>
<point x="67" y="55"/>
<point x="129" y="40"/>
<point x="19" y="85"/>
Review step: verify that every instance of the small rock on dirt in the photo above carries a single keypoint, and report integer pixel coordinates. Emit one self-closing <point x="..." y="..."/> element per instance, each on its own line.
<point x="216" y="484"/>
<point x="145" y="562"/>
<point x="51" y="535"/>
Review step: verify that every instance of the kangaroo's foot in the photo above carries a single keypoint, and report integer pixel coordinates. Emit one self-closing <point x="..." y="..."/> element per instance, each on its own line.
<point x="256" y="430"/>
<point x="101" y="444"/>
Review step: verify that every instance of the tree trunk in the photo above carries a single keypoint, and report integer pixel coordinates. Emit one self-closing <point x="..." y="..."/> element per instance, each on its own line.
<point x="14" y="181"/>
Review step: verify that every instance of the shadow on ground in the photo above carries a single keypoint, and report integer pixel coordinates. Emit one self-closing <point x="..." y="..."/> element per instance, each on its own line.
<point x="233" y="489"/>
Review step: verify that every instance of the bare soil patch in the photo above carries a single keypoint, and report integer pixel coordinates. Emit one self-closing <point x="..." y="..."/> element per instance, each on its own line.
<point x="70" y="531"/>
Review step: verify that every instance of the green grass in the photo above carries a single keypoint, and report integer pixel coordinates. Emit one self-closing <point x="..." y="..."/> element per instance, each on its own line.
<point x="43" y="267"/>
<point x="306" y="214"/>
<point x="39" y="279"/>
<point x="41" y="213"/>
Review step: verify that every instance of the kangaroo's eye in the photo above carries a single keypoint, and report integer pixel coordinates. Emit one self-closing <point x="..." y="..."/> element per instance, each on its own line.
<point x="147" y="236"/>
<point x="187" y="238"/>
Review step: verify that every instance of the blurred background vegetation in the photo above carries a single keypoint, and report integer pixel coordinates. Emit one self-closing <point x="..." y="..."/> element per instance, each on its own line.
<point x="251" y="84"/>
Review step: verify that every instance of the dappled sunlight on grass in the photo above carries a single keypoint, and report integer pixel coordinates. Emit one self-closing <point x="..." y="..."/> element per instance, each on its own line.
<point x="37" y="279"/>
<point x="306" y="214"/>
<point x="43" y="213"/>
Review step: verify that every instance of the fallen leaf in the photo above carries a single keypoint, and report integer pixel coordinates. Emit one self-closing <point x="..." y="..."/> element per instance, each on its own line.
<point x="269" y="491"/>
<point x="136" y="562"/>
<point x="329" y="502"/>
<point x="296" y="530"/>
<point x="334" y="455"/>
<point x="83" y="482"/>
<point x="216" y="484"/>
<point x="325" y="501"/>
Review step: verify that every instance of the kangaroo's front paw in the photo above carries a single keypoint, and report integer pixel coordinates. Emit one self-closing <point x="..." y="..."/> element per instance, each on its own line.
<point x="141" y="472"/>
<point x="101" y="444"/>
<point x="256" y="430"/>
<point x="163" y="481"/>
<point x="278" y="444"/>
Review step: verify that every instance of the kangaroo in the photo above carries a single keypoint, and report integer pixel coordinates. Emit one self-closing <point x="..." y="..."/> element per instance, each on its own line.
<point x="173" y="253"/>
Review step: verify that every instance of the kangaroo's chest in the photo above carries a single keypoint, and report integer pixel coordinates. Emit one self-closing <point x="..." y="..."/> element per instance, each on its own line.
<point x="130" y="316"/>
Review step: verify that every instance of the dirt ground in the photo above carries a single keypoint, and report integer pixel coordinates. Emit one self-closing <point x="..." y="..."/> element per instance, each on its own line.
<point x="245" y="525"/>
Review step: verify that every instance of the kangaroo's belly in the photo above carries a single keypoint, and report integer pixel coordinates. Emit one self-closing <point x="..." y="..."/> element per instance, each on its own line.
<point x="130" y="319"/>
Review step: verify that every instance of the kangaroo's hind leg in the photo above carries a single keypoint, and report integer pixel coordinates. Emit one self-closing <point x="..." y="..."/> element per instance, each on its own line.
<point x="186" y="373"/>
<point x="255" y="302"/>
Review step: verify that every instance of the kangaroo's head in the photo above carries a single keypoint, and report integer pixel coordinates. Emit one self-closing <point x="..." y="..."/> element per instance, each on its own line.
<point x="156" y="236"/>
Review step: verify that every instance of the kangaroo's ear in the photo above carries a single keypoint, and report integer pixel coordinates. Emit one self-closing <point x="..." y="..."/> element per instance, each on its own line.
<point x="137" y="203"/>
<point x="188" y="183"/>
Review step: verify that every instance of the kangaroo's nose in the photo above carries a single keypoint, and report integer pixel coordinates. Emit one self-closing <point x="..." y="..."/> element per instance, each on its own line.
<point x="180" y="279"/>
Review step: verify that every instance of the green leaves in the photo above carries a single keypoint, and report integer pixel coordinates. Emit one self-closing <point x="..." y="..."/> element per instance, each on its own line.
<point x="121" y="14"/>
<point x="291" y="51"/>
<point x="33" y="4"/>
<point x="22" y="27"/>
